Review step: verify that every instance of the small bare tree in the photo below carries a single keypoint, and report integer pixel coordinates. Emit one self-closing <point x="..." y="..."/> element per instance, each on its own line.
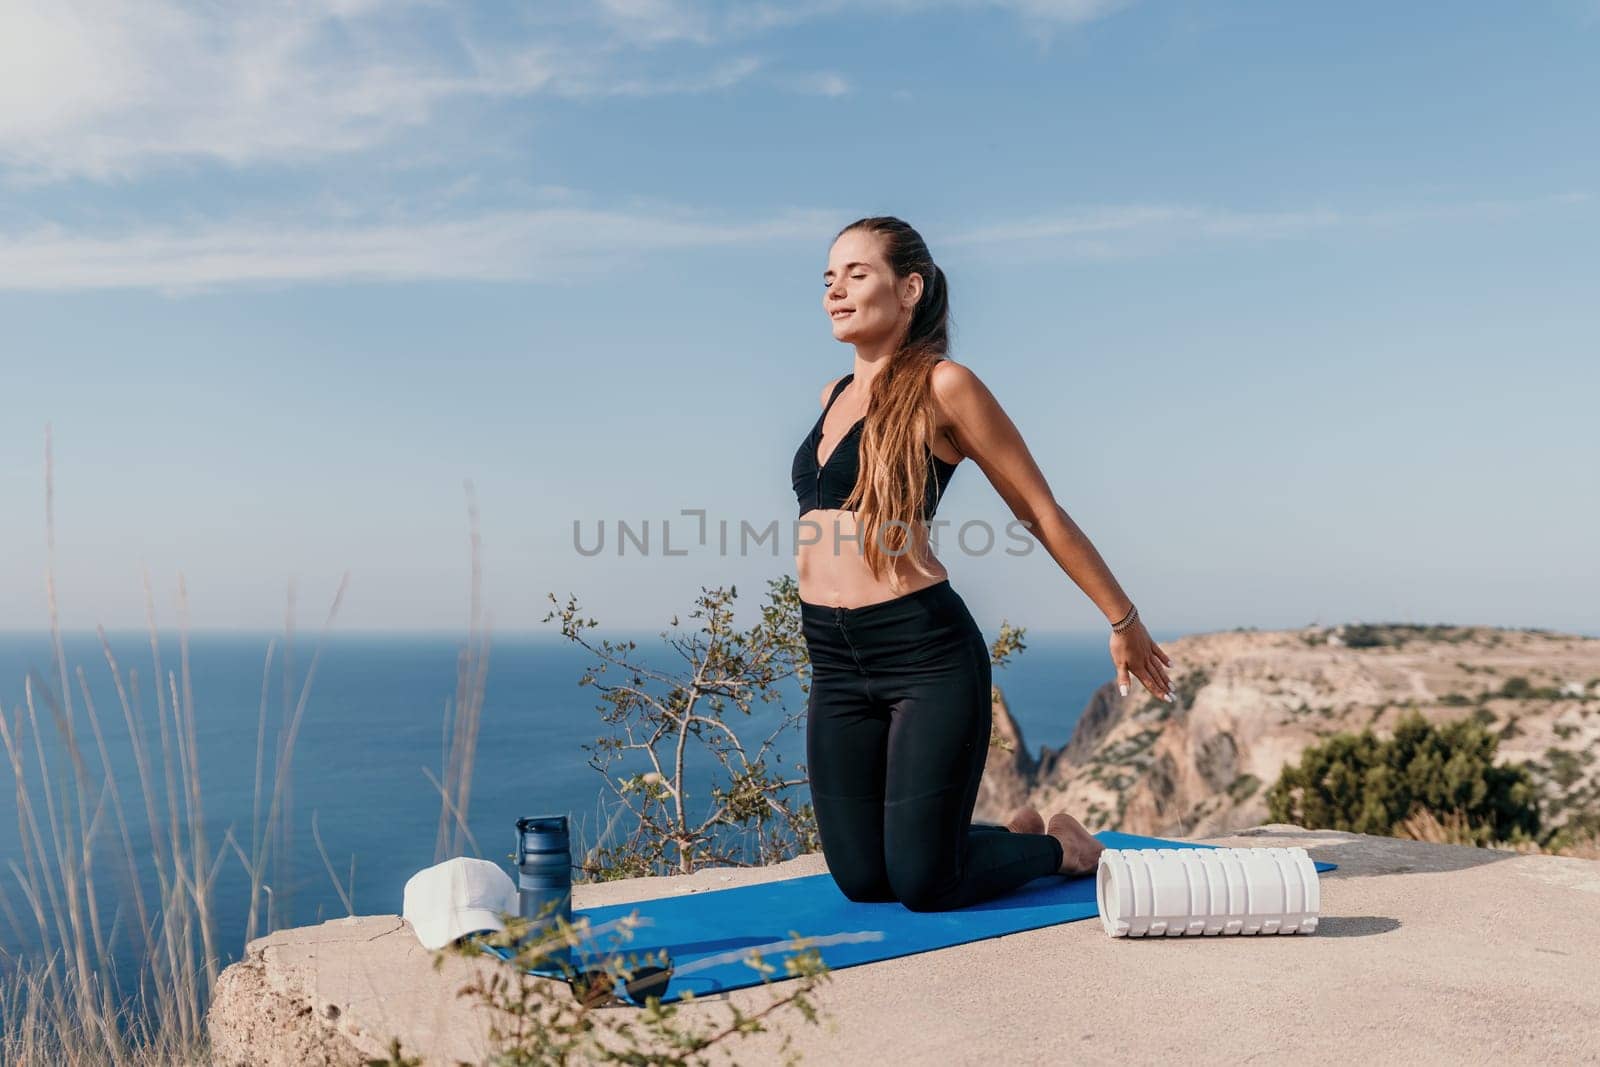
<point x="753" y="811"/>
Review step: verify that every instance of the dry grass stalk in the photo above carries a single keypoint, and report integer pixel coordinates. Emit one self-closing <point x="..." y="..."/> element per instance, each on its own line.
<point x="1453" y="829"/>
<point x="64" y="1004"/>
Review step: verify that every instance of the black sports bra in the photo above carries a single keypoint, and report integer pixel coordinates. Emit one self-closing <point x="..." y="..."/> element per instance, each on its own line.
<point x="829" y="486"/>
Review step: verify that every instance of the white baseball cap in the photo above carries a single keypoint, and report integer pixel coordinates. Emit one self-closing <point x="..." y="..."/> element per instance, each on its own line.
<point x="457" y="897"/>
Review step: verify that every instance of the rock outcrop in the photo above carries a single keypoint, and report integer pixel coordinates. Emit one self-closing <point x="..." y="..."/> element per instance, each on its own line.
<point x="1250" y="701"/>
<point x="1010" y="773"/>
<point x="1425" y="954"/>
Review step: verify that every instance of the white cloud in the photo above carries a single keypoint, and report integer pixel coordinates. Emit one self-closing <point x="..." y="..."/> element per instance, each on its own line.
<point x="653" y="22"/>
<point x="554" y="243"/>
<point x="104" y="89"/>
<point x="1133" y="221"/>
<point x="705" y="22"/>
<point x="538" y="245"/>
<point x="1061" y="11"/>
<point x="1067" y="10"/>
<point x="111" y="89"/>
<point x="108" y="89"/>
<point x="1118" y="231"/>
<point x="720" y="76"/>
<point x="821" y="83"/>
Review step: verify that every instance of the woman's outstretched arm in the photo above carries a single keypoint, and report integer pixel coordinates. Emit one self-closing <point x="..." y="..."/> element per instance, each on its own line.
<point x="981" y="429"/>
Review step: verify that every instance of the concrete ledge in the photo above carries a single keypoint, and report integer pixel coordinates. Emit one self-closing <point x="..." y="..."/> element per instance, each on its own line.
<point x="1425" y="953"/>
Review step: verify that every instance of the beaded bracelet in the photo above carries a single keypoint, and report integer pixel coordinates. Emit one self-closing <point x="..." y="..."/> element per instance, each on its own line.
<point x="1126" y="621"/>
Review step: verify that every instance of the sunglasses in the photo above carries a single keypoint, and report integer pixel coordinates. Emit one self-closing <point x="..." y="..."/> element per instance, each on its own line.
<point x="612" y="982"/>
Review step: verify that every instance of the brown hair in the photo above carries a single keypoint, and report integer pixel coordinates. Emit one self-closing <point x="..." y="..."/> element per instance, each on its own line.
<point x="900" y="423"/>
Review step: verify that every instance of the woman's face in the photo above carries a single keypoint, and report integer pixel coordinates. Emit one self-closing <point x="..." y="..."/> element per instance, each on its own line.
<point x="862" y="297"/>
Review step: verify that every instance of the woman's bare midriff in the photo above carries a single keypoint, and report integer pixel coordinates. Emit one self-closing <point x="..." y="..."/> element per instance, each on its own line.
<point x="832" y="569"/>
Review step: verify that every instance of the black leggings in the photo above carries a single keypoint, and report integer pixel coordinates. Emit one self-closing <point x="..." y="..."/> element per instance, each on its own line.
<point x="897" y="732"/>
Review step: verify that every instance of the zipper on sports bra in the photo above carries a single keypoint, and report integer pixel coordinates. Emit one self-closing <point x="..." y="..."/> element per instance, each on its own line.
<point x="814" y="445"/>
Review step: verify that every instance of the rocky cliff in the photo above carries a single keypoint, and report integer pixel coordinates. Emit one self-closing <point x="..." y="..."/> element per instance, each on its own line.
<point x="1250" y="701"/>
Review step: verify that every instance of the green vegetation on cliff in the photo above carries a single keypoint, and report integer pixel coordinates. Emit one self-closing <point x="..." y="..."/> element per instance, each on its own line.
<point x="1364" y="784"/>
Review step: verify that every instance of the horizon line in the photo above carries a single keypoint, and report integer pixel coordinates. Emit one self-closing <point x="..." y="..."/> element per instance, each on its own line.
<point x="311" y="633"/>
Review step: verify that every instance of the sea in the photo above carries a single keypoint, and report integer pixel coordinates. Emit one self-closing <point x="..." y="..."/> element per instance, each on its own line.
<point x="372" y="730"/>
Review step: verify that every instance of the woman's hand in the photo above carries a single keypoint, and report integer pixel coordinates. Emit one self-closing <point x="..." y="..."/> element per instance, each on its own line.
<point x="1134" y="650"/>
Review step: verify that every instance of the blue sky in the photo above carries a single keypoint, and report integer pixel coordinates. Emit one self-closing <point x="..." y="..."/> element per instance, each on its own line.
<point x="1296" y="305"/>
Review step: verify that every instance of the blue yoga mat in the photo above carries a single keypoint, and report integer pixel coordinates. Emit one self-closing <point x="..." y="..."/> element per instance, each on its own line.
<point x="708" y="934"/>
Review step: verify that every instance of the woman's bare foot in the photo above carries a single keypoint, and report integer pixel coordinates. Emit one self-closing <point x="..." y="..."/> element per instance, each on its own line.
<point x="1080" y="852"/>
<point x="1026" y="820"/>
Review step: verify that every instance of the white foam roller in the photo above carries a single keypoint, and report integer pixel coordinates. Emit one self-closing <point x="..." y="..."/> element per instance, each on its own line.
<point x="1173" y="892"/>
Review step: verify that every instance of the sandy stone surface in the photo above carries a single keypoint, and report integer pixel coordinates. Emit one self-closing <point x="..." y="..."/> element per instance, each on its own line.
<point x="1425" y="954"/>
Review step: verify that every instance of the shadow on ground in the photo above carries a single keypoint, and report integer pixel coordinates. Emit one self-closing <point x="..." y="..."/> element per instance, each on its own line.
<point x="1359" y="855"/>
<point x="1355" y="925"/>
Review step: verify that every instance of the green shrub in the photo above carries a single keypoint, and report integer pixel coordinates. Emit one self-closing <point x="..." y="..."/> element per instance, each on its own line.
<point x="1188" y="686"/>
<point x="1519" y="688"/>
<point x="1565" y="767"/>
<point x="1361" y="635"/>
<point x="1243" y="788"/>
<point x="1396" y="634"/>
<point x="1359" y="783"/>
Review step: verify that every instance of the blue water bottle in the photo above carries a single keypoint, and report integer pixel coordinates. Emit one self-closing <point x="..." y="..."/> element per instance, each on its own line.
<point x="544" y="877"/>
